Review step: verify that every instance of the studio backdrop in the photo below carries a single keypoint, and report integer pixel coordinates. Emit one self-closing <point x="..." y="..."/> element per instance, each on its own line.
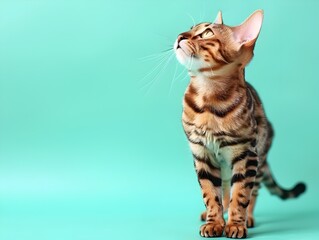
<point x="91" y="141"/>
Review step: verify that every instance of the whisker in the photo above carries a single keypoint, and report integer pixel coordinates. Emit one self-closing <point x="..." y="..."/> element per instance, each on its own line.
<point x="173" y="80"/>
<point x="191" y="65"/>
<point x="192" y="61"/>
<point x="168" y="50"/>
<point x="155" y="55"/>
<point x="158" y="74"/>
<point x="161" y="61"/>
<point x="185" y="77"/>
<point x="180" y="74"/>
<point x="154" y="58"/>
<point x="185" y="69"/>
<point x="192" y="18"/>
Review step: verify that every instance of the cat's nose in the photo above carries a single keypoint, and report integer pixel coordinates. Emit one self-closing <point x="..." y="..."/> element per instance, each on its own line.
<point x="182" y="36"/>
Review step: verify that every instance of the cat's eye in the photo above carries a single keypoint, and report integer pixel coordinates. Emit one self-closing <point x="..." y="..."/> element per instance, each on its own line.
<point x="207" y="33"/>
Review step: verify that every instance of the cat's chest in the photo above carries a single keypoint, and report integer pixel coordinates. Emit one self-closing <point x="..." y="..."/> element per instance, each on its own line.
<point x="212" y="143"/>
<point x="220" y="156"/>
<point x="213" y="146"/>
<point x="209" y="121"/>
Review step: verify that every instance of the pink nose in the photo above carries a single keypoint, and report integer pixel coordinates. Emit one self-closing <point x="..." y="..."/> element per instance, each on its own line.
<point x="181" y="37"/>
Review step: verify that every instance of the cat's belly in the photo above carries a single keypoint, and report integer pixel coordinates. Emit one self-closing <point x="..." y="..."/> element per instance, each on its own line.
<point x="220" y="158"/>
<point x="206" y="135"/>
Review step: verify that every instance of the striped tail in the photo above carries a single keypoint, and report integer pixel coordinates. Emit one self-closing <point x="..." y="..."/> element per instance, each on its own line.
<point x="275" y="189"/>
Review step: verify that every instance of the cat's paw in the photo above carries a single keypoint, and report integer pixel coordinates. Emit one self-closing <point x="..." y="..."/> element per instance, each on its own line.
<point x="250" y="222"/>
<point x="211" y="230"/>
<point x="235" y="231"/>
<point x="203" y="216"/>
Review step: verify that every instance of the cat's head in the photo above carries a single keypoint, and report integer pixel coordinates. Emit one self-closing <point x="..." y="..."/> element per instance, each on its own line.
<point x="215" y="45"/>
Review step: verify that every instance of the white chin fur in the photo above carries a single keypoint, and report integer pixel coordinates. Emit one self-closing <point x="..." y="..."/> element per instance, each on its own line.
<point x="191" y="63"/>
<point x="182" y="57"/>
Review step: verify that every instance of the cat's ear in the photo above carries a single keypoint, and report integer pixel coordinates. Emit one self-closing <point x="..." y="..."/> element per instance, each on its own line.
<point x="219" y="18"/>
<point x="246" y="34"/>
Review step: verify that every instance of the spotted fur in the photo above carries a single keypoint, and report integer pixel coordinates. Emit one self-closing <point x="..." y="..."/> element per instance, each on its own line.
<point x="226" y="125"/>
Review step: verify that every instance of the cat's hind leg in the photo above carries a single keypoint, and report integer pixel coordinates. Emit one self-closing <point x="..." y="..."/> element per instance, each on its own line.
<point x="254" y="194"/>
<point x="251" y="206"/>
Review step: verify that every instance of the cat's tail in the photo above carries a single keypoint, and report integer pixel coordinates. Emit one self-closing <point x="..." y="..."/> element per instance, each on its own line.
<point x="275" y="189"/>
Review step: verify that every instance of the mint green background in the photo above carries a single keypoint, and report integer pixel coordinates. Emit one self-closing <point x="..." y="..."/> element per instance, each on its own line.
<point x="88" y="152"/>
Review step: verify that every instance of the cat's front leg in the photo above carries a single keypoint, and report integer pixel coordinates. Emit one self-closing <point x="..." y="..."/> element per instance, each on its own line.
<point x="244" y="171"/>
<point x="209" y="178"/>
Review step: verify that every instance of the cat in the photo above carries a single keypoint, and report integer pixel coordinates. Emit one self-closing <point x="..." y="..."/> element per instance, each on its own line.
<point x="225" y="123"/>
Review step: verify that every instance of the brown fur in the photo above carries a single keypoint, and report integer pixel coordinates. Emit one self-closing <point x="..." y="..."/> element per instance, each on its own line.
<point x="225" y="123"/>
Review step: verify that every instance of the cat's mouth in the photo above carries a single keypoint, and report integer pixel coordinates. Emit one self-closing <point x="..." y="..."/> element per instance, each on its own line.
<point x="184" y="52"/>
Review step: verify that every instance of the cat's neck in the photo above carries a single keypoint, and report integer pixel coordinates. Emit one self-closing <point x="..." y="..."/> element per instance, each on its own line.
<point x="219" y="83"/>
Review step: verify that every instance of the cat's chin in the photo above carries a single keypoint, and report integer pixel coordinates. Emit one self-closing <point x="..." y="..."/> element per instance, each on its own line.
<point x="192" y="64"/>
<point x="186" y="60"/>
<point x="182" y="57"/>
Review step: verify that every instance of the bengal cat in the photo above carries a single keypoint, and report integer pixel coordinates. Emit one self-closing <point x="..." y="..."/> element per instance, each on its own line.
<point x="225" y="123"/>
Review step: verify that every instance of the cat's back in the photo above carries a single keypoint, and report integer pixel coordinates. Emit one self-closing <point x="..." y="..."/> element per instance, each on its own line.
<point x="265" y="131"/>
